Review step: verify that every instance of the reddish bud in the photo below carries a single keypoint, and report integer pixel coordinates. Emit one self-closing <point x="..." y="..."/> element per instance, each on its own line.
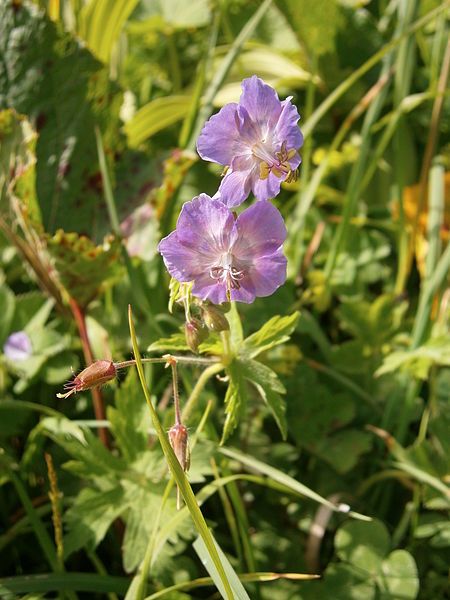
<point x="98" y="373"/>
<point x="195" y="334"/>
<point x="178" y="438"/>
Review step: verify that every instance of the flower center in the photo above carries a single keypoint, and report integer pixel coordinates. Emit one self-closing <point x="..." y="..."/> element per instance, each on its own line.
<point x="278" y="164"/>
<point x="227" y="273"/>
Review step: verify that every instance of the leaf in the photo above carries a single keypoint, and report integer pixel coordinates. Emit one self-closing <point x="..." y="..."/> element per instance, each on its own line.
<point x="235" y="399"/>
<point x="130" y="419"/>
<point x="82" y="445"/>
<point x="157" y="14"/>
<point x="155" y="116"/>
<point x="276" y="331"/>
<point x="316" y="24"/>
<point x="286" y="480"/>
<point x="363" y="544"/>
<point x="90" y="517"/>
<point x="101" y="22"/>
<point x="340" y="582"/>
<point x="399" y="578"/>
<point x="239" y="592"/>
<point x="269" y="387"/>
<point x="176" y="342"/>
<point x="84" y="268"/>
<point x="7" y="305"/>
<point x="418" y="362"/>
<point x="64" y="91"/>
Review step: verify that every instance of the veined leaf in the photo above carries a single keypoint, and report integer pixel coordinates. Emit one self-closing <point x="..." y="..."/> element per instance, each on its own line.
<point x="269" y="387"/>
<point x="101" y="22"/>
<point x="84" y="268"/>
<point x="235" y="399"/>
<point x="276" y="331"/>
<point x="155" y="116"/>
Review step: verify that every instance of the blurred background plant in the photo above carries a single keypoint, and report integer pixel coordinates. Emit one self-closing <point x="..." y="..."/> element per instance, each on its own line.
<point x="337" y="387"/>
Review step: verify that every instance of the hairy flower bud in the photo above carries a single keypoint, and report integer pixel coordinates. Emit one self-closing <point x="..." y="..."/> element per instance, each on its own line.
<point x="178" y="437"/>
<point x="195" y="333"/>
<point x="214" y="318"/>
<point x="98" y="373"/>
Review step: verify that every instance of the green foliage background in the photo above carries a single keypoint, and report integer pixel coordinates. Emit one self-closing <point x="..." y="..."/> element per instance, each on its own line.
<point x="323" y="446"/>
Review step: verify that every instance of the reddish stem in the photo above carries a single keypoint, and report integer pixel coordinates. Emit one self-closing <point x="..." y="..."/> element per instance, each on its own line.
<point x="97" y="397"/>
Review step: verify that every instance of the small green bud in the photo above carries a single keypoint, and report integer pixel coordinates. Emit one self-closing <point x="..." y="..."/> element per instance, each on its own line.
<point x="214" y="318"/>
<point x="195" y="333"/>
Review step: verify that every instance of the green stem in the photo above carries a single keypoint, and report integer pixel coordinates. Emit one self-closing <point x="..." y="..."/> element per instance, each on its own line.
<point x="177" y="471"/>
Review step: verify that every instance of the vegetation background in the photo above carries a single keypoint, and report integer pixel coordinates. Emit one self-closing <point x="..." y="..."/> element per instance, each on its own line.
<point x="336" y="387"/>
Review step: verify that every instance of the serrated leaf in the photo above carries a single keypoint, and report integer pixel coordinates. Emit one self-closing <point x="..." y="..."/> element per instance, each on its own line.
<point x="82" y="445"/>
<point x="269" y="387"/>
<point x="418" y="362"/>
<point x="235" y="399"/>
<point x="90" y="517"/>
<point x="276" y="331"/>
<point x="84" y="268"/>
<point x="130" y="420"/>
<point x="177" y="342"/>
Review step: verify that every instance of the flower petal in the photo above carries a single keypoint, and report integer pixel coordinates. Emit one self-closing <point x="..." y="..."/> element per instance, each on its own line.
<point x="287" y="129"/>
<point x="207" y="288"/>
<point x="182" y="262"/>
<point x="235" y="187"/>
<point x="206" y="225"/>
<point x="268" y="273"/>
<point x="261" y="232"/>
<point x="265" y="189"/>
<point x="246" y="292"/>
<point x="261" y="102"/>
<point x="219" y="135"/>
<point x="18" y="346"/>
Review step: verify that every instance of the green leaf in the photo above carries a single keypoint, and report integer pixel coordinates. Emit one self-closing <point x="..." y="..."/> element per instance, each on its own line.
<point x="64" y="582"/>
<point x="286" y="480"/>
<point x="399" y="579"/>
<point x="235" y="399"/>
<point x="7" y="304"/>
<point x="84" y="268"/>
<point x="155" y="116"/>
<point x="239" y="592"/>
<point x="101" y="22"/>
<point x="64" y="91"/>
<point x="340" y="582"/>
<point x="130" y="419"/>
<point x="90" y="517"/>
<point x="269" y="387"/>
<point x="276" y="331"/>
<point x="176" y="342"/>
<point x="364" y="545"/>
<point x="418" y="362"/>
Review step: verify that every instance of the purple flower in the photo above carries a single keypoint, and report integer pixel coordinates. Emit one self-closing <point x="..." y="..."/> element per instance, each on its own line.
<point x="227" y="258"/>
<point x="18" y="346"/>
<point x="256" y="139"/>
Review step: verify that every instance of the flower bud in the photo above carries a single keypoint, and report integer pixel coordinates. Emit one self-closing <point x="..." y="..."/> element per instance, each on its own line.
<point x="178" y="437"/>
<point x="98" y="373"/>
<point x="214" y="319"/>
<point x="195" y="333"/>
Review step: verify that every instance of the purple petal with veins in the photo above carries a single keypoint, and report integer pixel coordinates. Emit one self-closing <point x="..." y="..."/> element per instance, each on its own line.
<point x="227" y="258"/>
<point x="257" y="139"/>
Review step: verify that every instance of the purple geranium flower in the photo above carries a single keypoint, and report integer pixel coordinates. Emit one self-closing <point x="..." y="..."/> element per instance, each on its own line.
<point x="227" y="258"/>
<point x="18" y="346"/>
<point x="257" y="139"/>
